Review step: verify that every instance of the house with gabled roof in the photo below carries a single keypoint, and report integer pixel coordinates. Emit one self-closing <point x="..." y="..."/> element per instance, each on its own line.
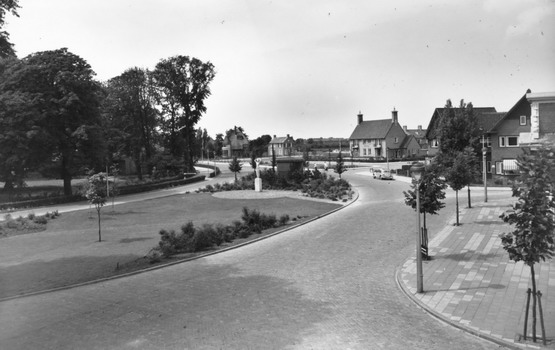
<point x="281" y="146"/>
<point x="382" y="138"/>
<point x="432" y="132"/>
<point x="530" y="120"/>
<point x="236" y="143"/>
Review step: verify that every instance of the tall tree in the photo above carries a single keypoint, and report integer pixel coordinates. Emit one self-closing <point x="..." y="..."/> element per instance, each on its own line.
<point x="459" y="169"/>
<point x="181" y="85"/>
<point x="60" y="88"/>
<point x="533" y="239"/>
<point x="130" y="116"/>
<point x="458" y="128"/>
<point x="6" y="47"/>
<point x="458" y="131"/>
<point x="432" y="192"/>
<point x="20" y="138"/>
<point x="260" y="145"/>
<point x="340" y="165"/>
<point x="219" y="143"/>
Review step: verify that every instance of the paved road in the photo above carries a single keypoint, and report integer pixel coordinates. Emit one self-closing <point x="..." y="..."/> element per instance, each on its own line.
<point x="325" y="285"/>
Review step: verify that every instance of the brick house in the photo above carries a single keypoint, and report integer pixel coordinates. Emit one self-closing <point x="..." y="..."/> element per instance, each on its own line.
<point x="281" y="146"/>
<point x="530" y="120"/>
<point x="432" y="131"/>
<point x="382" y="138"/>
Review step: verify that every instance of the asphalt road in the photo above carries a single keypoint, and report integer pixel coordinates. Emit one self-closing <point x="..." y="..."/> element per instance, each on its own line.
<point x="325" y="285"/>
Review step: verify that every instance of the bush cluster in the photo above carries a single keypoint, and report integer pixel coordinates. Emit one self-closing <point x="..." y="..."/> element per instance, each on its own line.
<point x="31" y="223"/>
<point x="311" y="183"/>
<point x="192" y="239"/>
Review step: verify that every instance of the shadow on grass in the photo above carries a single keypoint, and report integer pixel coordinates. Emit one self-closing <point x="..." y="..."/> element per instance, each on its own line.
<point x="42" y="275"/>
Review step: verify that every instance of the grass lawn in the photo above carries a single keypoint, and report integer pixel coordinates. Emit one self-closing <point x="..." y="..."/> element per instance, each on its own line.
<point x="68" y="251"/>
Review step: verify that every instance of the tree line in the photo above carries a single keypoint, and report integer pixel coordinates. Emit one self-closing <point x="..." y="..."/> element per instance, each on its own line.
<point x="57" y="119"/>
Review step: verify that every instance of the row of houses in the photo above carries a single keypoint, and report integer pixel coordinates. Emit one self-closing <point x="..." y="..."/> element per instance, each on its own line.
<point x="504" y="134"/>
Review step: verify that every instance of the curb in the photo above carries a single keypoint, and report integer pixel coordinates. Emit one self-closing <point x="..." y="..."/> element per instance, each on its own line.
<point x="444" y="319"/>
<point x="448" y="321"/>
<point x="200" y="256"/>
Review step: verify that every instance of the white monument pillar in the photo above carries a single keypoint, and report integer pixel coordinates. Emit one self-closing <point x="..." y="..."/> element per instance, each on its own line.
<point x="258" y="180"/>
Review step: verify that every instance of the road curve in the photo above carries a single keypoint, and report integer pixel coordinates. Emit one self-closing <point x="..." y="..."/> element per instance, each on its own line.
<point x="328" y="284"/>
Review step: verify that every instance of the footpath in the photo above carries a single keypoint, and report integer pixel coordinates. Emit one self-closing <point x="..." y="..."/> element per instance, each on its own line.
<point x="471" y="284"/>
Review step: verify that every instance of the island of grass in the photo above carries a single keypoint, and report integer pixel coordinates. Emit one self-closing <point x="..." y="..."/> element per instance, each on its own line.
<point x="67" y="251"/>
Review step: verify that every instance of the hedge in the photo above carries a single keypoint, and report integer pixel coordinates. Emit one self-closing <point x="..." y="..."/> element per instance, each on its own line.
<point x="129" y="189"/>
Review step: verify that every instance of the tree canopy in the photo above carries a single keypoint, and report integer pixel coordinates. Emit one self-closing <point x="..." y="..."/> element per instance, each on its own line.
<point x="181" y="86"/>
<point x="6" y="47"/>
<point x="54" y="111"/>
<point x="130" y="116"/>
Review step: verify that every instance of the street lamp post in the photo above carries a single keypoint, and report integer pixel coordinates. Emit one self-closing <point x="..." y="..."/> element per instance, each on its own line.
<point x="484" y="171"/>
<point x="417" y="169"/>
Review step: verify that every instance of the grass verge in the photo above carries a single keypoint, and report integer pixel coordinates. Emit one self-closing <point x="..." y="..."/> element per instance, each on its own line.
<point x="67" y="252"/>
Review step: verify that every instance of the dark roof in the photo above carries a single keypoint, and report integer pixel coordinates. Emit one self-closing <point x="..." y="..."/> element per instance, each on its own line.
<point x="486" y="121"/>
<point x="521" y="101"/>
<point x="371" y="129"/>
<point x="431" y="131"/>
<point x="281" y="139"/>
<point x="407" y="140"/>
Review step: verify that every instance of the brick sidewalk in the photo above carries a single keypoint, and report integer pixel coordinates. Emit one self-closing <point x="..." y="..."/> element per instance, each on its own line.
<point x="471" y="283"/>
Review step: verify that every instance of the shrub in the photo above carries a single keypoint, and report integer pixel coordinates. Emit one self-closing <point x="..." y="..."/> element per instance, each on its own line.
<point x="31" y="216"/>
<point x="203" y="238"/>
<point x="191" y="239"/>
<point x="283" y="220"/>
<point x="41" y="220"/>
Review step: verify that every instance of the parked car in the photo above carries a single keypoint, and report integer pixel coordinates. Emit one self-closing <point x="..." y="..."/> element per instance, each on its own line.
<point x="321" y="166"/>
<point x="382" y="174"/>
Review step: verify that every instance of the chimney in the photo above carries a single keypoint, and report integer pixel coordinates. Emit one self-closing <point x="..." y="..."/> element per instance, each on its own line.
<point x="419" y="127"/>
<point x="394" y="116"/>
<point x="274" y="136"/>
<point x="359" y="115"/>
<point x="287" y="135"/>
<point x="405" y="128"/>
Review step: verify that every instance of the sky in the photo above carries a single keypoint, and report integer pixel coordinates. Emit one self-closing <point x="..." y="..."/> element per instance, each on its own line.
<point x="307" y="68"/>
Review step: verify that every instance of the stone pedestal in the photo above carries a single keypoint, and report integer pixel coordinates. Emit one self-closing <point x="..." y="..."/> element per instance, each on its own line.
<point x="258" y="185"/>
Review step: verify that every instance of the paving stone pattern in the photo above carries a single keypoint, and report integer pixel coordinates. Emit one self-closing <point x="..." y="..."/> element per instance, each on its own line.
<point x="471" y="282"/>
<point x="329" y="284"/>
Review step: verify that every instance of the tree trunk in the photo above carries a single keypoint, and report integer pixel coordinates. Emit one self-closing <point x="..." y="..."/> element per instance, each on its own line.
<point x="469" y="205"/>
<point x="534" y="300"/>
<point x="66" y="175"/>
<point x="139" y="166"/>
<point x="457" y="202"/>
<point x="99" y="233"/>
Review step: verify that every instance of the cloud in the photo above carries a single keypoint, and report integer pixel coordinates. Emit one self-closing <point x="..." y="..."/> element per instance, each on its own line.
<point x="530" y="21"/>
<point x="523" y="17"/>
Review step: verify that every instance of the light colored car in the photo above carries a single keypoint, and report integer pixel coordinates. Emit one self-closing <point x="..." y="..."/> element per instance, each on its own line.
<point x="321" y="166"/>
<point x="382" y="174"/>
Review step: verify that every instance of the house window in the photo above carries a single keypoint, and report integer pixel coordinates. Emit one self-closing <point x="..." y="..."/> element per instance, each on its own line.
<point x="488" y="167"/>
<point x="396" y="140"/>
<point x="510" y="166"/>
<point x="499" y="168"/>
<point x="434" y="143"/>
<point x="522" y="120"/>
<point x="487" y="143"/>
<point x="508" y="141"/>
